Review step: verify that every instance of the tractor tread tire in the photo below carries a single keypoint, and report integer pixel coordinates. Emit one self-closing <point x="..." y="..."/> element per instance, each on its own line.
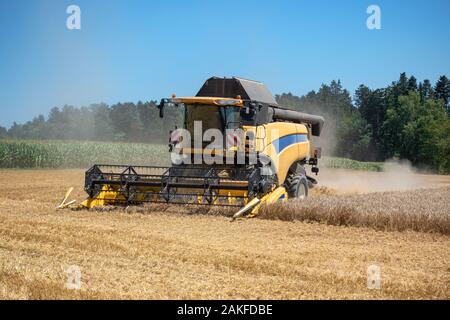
<point x="293" y="181"/>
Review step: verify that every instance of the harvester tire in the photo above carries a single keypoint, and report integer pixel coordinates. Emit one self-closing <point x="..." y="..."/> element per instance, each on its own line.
<point x="297" y="185"/>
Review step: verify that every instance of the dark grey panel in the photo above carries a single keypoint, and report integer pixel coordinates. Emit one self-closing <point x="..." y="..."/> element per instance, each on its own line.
<point x="257" y="91"/>
<point x="231" y="87"/>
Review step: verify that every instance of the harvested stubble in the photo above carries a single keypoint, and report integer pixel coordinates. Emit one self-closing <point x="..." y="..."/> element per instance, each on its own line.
<point x="425" y="210"/>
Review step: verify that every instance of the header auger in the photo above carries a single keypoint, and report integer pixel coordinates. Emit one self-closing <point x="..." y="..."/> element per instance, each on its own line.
<point x="255" y="152"/>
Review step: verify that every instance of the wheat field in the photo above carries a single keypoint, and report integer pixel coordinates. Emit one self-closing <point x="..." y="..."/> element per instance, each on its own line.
<point x="171" y="253"/>
<point x="425" y="210"/>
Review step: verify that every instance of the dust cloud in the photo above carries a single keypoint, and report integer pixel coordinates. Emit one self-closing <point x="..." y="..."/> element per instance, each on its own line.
<point x="397" y="175"/>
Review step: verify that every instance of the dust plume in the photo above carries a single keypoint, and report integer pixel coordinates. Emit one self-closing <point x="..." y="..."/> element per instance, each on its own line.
<point x="397" y="175"/>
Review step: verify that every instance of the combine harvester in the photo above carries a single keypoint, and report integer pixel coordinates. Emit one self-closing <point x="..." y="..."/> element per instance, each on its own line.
<point x="263" y="160"/>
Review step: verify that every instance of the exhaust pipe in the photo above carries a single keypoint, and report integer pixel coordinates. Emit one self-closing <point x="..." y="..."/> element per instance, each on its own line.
<point x="316" y="122"/>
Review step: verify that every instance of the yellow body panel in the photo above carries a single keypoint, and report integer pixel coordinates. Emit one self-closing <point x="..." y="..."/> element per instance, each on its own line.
<point x="106" y="196"/>
<point x="279" y="194"/>
<point x="266" y="137"/>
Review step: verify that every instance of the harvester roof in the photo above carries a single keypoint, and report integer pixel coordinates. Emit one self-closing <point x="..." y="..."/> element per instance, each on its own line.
<point x="232" y="87"/>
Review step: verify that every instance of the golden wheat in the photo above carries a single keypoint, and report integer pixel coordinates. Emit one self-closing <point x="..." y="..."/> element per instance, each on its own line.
<point x="426" y="210"/>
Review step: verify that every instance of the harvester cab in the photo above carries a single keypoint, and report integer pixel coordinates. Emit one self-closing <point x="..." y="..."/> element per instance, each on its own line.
<point x="237" y="147"/>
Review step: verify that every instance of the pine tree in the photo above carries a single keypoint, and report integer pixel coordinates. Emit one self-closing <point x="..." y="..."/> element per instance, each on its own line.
<point x="442" y="91"/>
<point x="425" y="90"/>
<point x="412" y="84"/>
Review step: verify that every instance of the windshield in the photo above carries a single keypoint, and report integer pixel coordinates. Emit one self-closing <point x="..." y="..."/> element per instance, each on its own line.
<point x="212" y="117"/>
<point x="230" y="116"/>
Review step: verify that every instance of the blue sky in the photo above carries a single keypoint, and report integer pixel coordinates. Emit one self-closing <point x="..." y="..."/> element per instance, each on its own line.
<point x="142" y="50"/>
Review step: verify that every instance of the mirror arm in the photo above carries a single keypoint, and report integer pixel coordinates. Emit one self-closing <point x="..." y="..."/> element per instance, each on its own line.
<point x="161" y="108"/>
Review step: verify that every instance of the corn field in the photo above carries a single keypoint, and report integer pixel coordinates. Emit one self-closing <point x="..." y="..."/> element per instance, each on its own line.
<point x="80" y="154"/>
<point x="73" y="154"/>
<point x="344" y="163"/>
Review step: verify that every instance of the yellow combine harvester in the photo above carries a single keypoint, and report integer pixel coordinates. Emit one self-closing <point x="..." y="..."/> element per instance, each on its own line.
<point x="255" y="152"/>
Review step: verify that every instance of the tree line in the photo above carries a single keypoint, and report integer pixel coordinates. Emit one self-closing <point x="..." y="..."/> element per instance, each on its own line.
<point x="121" y="122"/>
<point x="407" y="119"/>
